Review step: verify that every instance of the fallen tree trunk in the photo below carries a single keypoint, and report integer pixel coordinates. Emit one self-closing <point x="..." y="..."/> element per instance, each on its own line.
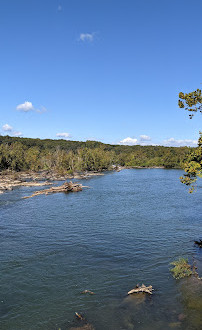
<point x="65" y="187"/>
<point x="142" y="288"/>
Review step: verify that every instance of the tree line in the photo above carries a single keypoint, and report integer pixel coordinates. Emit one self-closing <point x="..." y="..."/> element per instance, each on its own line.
<point x="21" y="154"/>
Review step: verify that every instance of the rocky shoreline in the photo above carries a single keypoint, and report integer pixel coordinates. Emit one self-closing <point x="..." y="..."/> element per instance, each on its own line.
<point x="7" y="183"/>
<point x="10" y="180"/>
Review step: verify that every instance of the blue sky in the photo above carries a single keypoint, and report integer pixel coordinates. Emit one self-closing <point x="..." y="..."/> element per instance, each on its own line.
<point x="100" y="69"/>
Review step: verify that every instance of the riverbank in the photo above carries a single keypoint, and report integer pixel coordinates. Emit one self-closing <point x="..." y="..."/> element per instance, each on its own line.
<point x="9" y="180"/>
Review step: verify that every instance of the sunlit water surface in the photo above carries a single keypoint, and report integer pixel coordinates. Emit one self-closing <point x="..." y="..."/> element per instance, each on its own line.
<point x="123" y="230"/>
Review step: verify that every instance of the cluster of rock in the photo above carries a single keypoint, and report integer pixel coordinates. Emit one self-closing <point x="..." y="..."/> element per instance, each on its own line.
<point x="54" y="176"/>
<point x="65" y="187"/>
<point x="9" y="180"/>
<point x="86" y="175"/>
<point x="8" y="183"/>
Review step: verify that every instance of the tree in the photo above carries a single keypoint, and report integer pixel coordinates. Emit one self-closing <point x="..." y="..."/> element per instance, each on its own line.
<point x="193" y="164"/>
<point x="32" y="158"/>
<point x="191" y="101"/>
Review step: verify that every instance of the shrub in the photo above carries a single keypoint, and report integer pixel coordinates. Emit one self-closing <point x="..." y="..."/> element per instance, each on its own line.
<point x="182" y="268"/>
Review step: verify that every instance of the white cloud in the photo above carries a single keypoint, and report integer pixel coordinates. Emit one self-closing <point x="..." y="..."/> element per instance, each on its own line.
<point x="7" y="128"/>
<point x="12" y="132"/>
<point x="129" y="141"/>
<point x="63" y="135"/>
<point x="26" y="106"/>
<point x="145" y="138"/>
<point x="180" y="143"/>
<point x="59" y="8"/>
<point x="86" y="37"/>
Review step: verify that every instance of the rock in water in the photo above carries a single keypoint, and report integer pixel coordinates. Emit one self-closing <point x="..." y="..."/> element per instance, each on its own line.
<point x="199" y="243"/>
<point x="88" y="291"/>
<point x="65" y="187"/>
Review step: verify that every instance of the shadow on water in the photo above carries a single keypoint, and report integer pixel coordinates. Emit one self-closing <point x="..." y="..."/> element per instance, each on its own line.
<point x="143" y="312"/>
<point x="191" y="296"/>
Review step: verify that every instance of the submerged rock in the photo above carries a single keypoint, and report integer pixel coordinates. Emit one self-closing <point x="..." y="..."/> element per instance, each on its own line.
<point x="175" y="325"/>
<point x="83" y="323"/>
<point x="84" y="327"/>
<point x="199" y="243"/>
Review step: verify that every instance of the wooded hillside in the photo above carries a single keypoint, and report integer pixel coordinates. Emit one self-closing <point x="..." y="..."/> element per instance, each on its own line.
<point x="68" y="156"/>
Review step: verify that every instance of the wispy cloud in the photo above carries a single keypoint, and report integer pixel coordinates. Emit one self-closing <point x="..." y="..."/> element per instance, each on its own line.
<point x="145" y="138"/>
<point x="64" y="135"/>
<point x="42" y="109"/>
<point x="129" y="141"/>
<point x="7" y="128"/>
<point x="86" y="37"/>
<point x="171" y="142"/>
<point x="17" y="133"/>
<point x="28" y="106"/>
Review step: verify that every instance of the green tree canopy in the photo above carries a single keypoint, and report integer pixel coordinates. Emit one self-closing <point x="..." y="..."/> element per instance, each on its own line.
<point x="193" y="164"/>
<point x="191" y="101"/>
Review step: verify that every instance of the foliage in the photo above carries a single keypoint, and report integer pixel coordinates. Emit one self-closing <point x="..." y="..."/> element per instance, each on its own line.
<point x="19" y="154"/>
<point x="191" y="101"/>
<point x="181" y="268"/>
<point x="193" y="164"/>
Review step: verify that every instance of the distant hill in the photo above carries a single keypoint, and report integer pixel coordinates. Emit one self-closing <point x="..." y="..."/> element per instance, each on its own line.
<point x="19" y="153"/>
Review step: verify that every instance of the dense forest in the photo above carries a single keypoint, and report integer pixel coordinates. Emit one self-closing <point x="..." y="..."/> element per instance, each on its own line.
<point x="20" y="154"/>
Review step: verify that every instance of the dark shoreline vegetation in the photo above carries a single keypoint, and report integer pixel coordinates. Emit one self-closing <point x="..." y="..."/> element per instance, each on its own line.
<point x="67" y="157"/>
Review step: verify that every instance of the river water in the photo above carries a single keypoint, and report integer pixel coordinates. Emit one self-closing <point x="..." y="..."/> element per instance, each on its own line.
<point x="123" y="230"/>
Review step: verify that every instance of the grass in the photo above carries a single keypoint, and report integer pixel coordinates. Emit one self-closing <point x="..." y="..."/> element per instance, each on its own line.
<point x="181" y="268"/>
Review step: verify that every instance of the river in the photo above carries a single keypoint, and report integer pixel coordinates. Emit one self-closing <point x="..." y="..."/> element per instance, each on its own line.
<point x="123" y="230"/>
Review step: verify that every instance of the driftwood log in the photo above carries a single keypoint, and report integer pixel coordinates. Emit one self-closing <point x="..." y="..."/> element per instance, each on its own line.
<point x="65" y="187"/>
<point x="88" y="291"/>
<point x="142" y="288"/>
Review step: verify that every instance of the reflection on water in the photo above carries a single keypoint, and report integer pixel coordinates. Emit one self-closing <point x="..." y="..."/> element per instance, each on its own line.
<point x="191" y="289"/>
<point x="125" y="230"/>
